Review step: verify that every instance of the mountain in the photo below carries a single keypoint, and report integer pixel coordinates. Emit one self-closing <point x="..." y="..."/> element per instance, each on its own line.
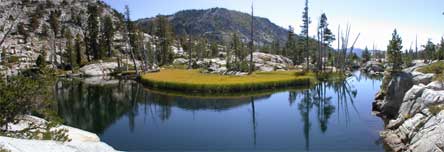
<point x="218" y="24"/>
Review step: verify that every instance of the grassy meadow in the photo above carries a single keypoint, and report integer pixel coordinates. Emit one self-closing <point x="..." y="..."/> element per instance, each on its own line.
<point x="195" y="81"/>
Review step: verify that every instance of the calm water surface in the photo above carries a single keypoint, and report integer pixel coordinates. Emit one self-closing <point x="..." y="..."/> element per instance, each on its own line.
<point x="328" y="117"/>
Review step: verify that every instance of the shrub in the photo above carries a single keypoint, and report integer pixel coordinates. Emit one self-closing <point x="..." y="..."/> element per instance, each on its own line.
<point x="21" y="95"/>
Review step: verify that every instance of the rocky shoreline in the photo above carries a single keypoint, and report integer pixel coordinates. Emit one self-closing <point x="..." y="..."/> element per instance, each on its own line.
<point x="407" y="102"/>
<point x="80" y="140"/>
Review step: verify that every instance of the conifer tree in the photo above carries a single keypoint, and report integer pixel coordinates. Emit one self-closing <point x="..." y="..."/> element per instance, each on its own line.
<point x="366" y="55"/>
<point x="78" y="51"/>
<point x="394" y="54"/>
<point x="304" y="32"/>
<point x="429" y="50"/>
<point x="69" y="57"/>
<point x="93" y="31"/>
<point x="107" y="35"/>
<point x="440" y="52"/>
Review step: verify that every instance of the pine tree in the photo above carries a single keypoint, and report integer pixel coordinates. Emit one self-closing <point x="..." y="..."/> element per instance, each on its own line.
<point x="54" y="22"/>
<point x="394" y="54"/>
<point x="327" y="37"/>
<point x="165" y="40"/>
<point x="131" y="36"/>
<point x="93" y="31"/>
<point x="41" y="59"/>
<point x="290" y="45"/>
<point x="22" y="31"/>
<point x="108" y="35"/>
<point x="430" y="51"/>
<point x="78" y="51"/>
<point x="440" y="52"/>
<point x="304" y="32"/>
<point x="34" y="22"/>
<point x="366" y="55"/>
<point x="69" y="57"/>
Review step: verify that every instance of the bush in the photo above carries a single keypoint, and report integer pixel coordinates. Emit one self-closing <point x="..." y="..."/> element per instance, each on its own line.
<point x="436" y="68"/>
<point x="20" y="96"/>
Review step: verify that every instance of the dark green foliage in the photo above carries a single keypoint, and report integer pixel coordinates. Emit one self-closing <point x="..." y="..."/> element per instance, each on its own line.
<point x="214" y="49"/>
<point x="290" y="46"/>
<point x="430" y="50"/>
<point x="304" y="31"/>
<point x="164" y="33"/>
<point x="394" y="54"/>
<point x="440" y="52"/>
<point x="22" y="31"/>
<point x="93" y="31"/>
<point x="34" y="22"/>
<point x="238" y="51"/>
<point x="78" y="51"/>
<point x="54" y="21"/>
<point x="107" y="36"/>
<point x="69" y="53"/>
<point x="41" y="59"/>
<point x="45" y="31"/>
<point x="21" y="95"/>
<point x="366" y="55"/>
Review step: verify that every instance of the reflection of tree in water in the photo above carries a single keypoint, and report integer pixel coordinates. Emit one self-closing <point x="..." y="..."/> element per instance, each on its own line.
<point x="94" y="107"/>
<point x="91" y="107"/>
<point x="318" y="97"/>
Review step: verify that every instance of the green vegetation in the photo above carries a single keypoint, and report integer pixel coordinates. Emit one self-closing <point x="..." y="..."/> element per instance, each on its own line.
<point x="435" y="109"/>
<point x="436" y="68"/>
<point x="194" y="81"/>
<point x="394" y="52"/>
<point x="30" y="94"/>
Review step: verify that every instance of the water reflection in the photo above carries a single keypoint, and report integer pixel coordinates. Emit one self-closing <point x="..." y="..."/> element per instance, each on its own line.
<point x="93" y="106"/>
<point x="130" y="117"/>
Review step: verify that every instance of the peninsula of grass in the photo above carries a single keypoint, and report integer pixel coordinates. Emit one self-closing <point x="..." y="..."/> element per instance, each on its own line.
<point x="195" y="81"/>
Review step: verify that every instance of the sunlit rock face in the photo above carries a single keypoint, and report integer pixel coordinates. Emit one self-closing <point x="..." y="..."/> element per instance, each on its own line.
<point x="412" y="124"/>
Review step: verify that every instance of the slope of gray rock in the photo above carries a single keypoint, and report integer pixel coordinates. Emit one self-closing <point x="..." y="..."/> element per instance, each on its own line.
<point x="411" y="124"/>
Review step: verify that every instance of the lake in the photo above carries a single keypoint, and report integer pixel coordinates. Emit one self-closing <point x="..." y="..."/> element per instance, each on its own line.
<point x="334" y="116"/>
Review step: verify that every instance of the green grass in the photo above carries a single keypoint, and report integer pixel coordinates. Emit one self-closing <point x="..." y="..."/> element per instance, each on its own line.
<point x="435" y="109"/>
<point x="436" y="68"/>
<point x="195" y="81"/>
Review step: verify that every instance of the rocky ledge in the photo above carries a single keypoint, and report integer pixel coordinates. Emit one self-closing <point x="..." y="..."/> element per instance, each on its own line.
<point x="263" y="62"/>
<point x="80" y="141"/>
<point x="411" y="105"/>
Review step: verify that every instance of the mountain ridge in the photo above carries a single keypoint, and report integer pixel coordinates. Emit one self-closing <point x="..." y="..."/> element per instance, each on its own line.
<point x="218" y="24"/>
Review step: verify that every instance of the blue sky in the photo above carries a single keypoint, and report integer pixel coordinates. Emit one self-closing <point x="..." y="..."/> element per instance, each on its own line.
<point x="374" y="19"/>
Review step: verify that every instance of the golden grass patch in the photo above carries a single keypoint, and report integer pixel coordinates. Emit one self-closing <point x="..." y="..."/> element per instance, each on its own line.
<point x="195" y="81"/>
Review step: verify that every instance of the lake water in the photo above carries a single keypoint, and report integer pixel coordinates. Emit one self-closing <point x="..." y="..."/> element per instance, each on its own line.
<point x="328" y="117"/>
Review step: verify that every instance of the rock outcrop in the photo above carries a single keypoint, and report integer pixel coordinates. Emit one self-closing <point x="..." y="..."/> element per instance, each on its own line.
<point x="80" y="140"/>
<point x="373" y="68"/>
<point x="412" y="125"/>
<point x="389" y="99"/>
<point x="108" y="68"/>
<point x="262" y="61"/>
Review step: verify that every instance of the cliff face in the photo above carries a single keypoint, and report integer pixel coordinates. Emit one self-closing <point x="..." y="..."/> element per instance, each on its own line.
<point x="411" y="105"/>
<point x="26" y="30"/>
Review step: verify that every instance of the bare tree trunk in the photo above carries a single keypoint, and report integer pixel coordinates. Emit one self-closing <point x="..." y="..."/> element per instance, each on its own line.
<point x="252" y="40"/>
